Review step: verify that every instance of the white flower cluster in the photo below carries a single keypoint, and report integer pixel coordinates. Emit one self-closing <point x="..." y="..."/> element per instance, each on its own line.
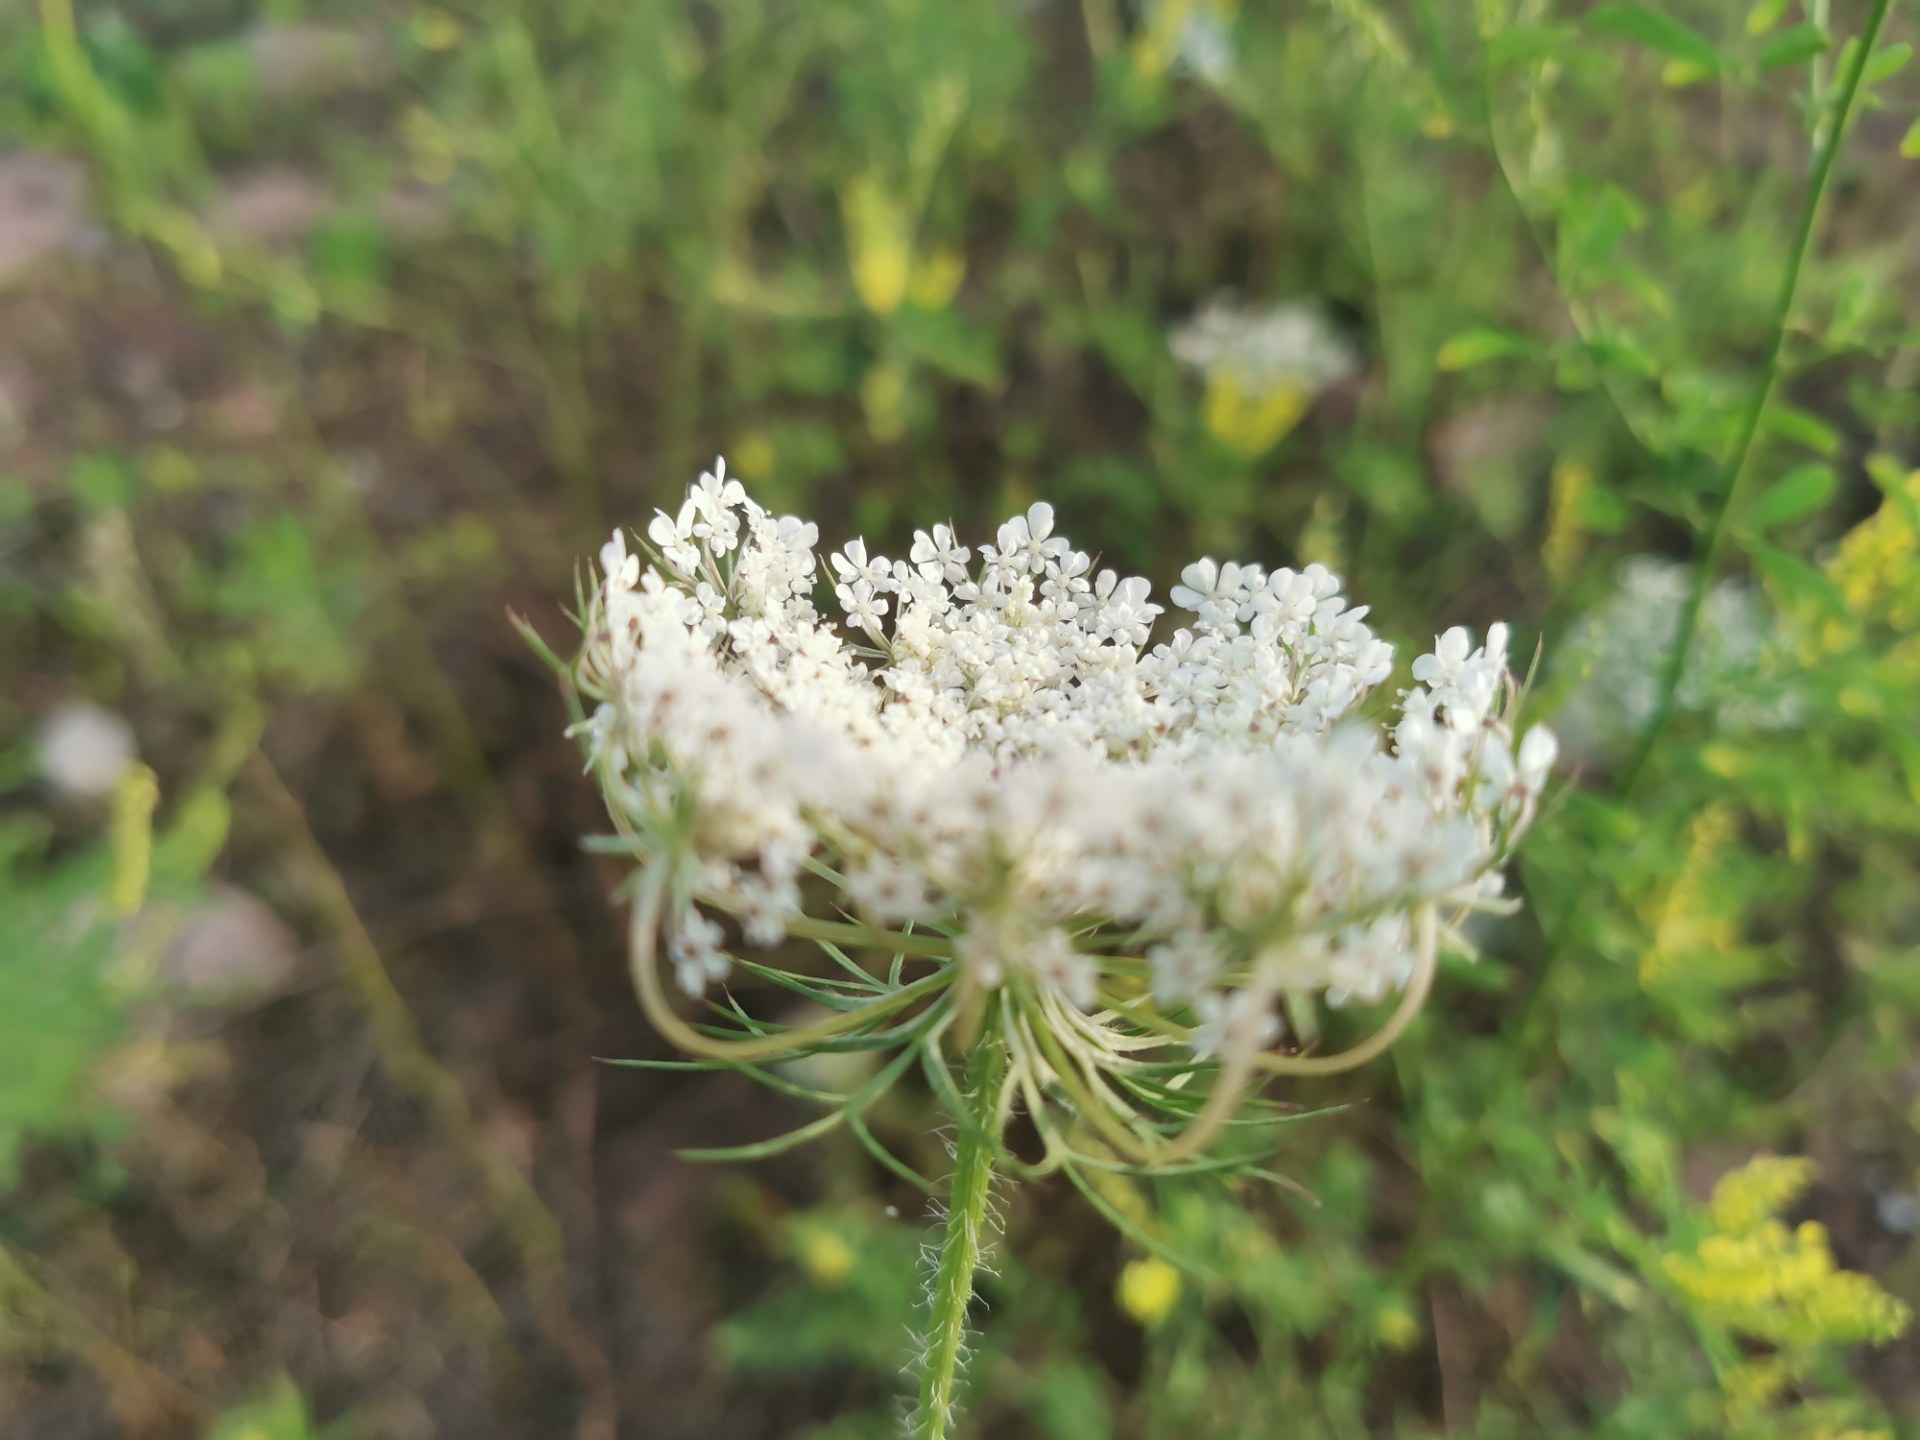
<point x="1202" y="39"/>
<point x="994" y="748"/>
<point x="1289" y="345"/>
<point x="1615" y="657"/>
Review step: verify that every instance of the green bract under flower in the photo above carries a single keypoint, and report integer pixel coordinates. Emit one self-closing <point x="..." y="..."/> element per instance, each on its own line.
<point x="994" y="775"/>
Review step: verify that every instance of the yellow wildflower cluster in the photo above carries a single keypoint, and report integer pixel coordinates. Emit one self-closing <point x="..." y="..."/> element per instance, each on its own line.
<point x="1747" y="1198"/>
<point x="1877" y="566"/>
<point x="1757" y="1277"/>
<point x="1686" y="923"/>
<point x="1756" y="1399"/>
<point x="1754" y="1387"/>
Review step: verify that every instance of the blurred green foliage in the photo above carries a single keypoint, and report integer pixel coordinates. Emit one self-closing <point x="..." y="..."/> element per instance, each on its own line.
<point x="56" y="990"/>
<point x="281" y="1414"/>
<point x="907" y="260"/>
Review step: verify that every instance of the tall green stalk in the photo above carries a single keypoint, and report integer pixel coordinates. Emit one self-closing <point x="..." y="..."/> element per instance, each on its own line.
<point x="950" y="1291"/>
<point x="1739" y="468"/>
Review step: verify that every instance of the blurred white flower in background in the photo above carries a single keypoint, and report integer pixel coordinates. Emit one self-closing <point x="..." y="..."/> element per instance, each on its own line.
<point x="1614" y="658"/>
<point x="85" y="750"/>
<point x="1263" y="367"/>
<point x="1294" y="343"/>
<point x="1187" y="36"/>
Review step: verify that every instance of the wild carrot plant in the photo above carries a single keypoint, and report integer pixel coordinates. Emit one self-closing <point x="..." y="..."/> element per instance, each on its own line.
<point x="1065" y="871"/>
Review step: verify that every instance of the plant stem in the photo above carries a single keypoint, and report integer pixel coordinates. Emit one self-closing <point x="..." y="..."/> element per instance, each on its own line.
<point x="1738" y="467"/>
<point x="951" y="1289"/>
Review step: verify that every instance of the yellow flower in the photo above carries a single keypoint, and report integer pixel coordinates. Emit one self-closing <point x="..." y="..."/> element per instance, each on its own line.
<point x="879" y="244"/>
<point x="826" y="1258"/>
<point x="753" y="455"/>
<point x="1148" y="1290"/>
<point x="435" y="29"/>
<point x="1159" y="41"/>
<point x="883" y="396"/>
<point x="1569" y="486"/>
<point x="936" y="279"/>
<point x="1753" y="1386"/>
<point x="1687" y="922"/>
<point x="1251" y="421"/>
<point x="1877" y="567"/>
<point x="1397" y="1329"/>
<point x="130" y="838"/>
<point x="1756" y="1277"/>
<point x="1759" y="1190"/>
<point x="1320" y="541"/>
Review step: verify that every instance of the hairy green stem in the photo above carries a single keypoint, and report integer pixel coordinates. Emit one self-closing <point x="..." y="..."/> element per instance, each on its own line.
<point x="1738" y="468"/>
<point x="950" y="1291"/>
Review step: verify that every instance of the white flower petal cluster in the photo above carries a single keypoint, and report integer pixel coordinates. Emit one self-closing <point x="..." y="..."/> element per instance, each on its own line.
<point x="1203" y="39"/>
<point x="1616" y="656"/>
<point x="994" y="747"/>
<point x="1291" y="344"/>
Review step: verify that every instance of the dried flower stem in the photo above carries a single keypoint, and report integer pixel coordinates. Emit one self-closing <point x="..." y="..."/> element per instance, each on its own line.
<point x="950" y="1290"/>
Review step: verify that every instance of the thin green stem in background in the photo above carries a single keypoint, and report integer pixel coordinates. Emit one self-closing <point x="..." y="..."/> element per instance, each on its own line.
<point x="950" y="1291"/>
<point x="1817" y="14"/>
<point x="1739" y="467"/>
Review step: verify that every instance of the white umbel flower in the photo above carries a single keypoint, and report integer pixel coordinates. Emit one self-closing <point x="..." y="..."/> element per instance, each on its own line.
<point x="1292" y="344"/>
<point x="1065" y="812"/>
<point x="1736" y="676"/>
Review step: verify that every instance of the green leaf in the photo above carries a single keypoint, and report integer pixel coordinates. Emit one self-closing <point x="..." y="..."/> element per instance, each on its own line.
<point x="765" y="1148"/>
<point x="1803" y="428"/>
<point x="1602" y="512"/>
<point x="60" y="1007"/>
<point x="887" y="1158"/>
<point x="1146" y="1239"/>
<point x="1621" y="352"/>
<point x="952" y="344"/>
<point x="1889" y="477"/>
<point x="1765" y="15"/>
<point x="1796" y="585"/>
<point x="1908" y="749"/>
<point x="1659" y="33"/>
<point x="1887" y="63"/>
<point x="1681" y="73"/>
<point x="1521" y="45"/>
<point x="1910" y="142"/>
<point x="100" y="482"/>
<point x="1793" y="496"/>
<point x="1794" y="46"/>
<point x="1596" y="219"/>
<point x="280" y="1414"/>
<point x="1475" y="347"/>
